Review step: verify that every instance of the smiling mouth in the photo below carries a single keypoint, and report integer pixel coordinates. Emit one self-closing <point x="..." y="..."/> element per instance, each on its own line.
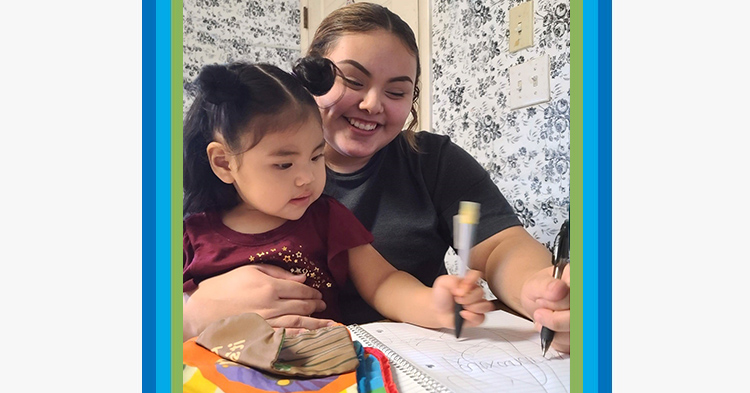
<point x="362" y="125"/>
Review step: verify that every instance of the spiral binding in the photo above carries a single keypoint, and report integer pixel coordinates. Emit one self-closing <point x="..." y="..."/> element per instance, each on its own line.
<point x="424" y="380"/>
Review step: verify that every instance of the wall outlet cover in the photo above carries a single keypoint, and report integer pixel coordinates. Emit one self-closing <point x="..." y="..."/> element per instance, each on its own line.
<point x="529" y="83"/>
<point x="521" y="26"/>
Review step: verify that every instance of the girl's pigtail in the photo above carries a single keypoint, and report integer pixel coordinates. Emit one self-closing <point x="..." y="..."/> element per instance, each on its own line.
<point x="193" y="157"/>
<point x="317" y="74"/>
<point x="219" y="84"/>
<point x="219" y="94"/>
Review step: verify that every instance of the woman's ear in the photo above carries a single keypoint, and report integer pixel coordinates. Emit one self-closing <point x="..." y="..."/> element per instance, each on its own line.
<point x="218" y="157"/>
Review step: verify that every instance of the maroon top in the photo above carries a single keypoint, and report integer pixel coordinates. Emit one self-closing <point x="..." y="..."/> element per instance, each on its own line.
<point x="315" y="245"/>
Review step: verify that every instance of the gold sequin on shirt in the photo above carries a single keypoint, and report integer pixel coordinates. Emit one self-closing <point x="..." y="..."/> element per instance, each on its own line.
<point x="297" y="263"/>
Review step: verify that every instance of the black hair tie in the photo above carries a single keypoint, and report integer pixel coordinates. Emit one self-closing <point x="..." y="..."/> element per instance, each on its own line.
<point x="317" y="74"/>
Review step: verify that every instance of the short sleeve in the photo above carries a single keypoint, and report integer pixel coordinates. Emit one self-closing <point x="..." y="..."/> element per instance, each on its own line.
<point x="344" y="232"/>
<point x="453" y="176"/>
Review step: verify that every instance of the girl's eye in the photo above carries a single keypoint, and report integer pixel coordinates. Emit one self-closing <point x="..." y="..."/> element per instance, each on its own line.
<point x="319" y="156"/>
<point x="283" y="166"/>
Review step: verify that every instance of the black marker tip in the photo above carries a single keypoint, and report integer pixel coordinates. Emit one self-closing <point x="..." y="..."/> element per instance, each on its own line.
<point x="459" y="321"/>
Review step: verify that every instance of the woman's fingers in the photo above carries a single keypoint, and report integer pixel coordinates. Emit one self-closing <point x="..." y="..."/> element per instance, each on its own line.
<point x="293" y="307"/>
<point x="543" y="290"/>
<point x="286" y="289"/>
<point x="296" y="323"/>
<point x="559" y="321"/>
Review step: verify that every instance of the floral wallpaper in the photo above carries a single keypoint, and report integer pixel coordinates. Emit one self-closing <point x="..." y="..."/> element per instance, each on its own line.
<point x="222" y="31"/>
<point x="526" y="151"/>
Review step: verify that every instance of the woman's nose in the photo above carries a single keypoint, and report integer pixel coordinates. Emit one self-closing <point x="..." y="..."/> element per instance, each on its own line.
<point x="371" y="102"/>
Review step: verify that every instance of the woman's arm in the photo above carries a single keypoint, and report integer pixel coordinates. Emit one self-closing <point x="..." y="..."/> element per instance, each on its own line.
<point x="518" y="270"/>
<point x="508" y="259"/>
<point x="275" y="294"/>
<point x="399" y="296"/>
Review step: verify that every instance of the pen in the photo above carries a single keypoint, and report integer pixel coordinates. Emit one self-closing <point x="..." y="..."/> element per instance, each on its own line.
<point x="463" y="227"/>
<point x="560" y="258"/>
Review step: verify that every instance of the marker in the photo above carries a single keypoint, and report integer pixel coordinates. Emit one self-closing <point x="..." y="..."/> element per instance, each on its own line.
<point x="464" y="225"/>
<point x="561" y="258"/>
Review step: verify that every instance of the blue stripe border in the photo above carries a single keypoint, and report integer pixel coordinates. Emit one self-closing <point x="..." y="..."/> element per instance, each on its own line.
<point x="163" y="195"/>
<point x="590" y="200"/>
<point x="597" y="196"/>
<point x="148" y="182"/>
<point x="156" y="181"/>
<point x="605" y="196"/>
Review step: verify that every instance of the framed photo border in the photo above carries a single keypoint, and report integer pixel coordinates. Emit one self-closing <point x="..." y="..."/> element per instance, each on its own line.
<point x="591" y="197"/>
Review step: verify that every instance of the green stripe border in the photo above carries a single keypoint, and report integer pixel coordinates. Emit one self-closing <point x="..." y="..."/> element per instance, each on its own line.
<point x="576" y="188"/>
<point x="176" y="205"/>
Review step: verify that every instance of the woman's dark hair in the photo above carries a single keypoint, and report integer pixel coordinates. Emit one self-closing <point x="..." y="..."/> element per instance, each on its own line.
<point x="364" y="18"/>
<point x="239" y="99"/>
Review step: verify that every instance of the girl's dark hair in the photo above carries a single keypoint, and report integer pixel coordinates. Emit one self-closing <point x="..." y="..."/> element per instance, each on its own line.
<point x="364" y="18"/>
<point x="239" y="99"/>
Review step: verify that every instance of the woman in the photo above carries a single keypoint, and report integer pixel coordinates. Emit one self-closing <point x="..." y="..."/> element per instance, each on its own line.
<point x="405" y="187"/>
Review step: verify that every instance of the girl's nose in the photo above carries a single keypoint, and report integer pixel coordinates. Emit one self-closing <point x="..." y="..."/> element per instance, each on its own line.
<point x="371" y="102"/>
<point x="304" y="177"/>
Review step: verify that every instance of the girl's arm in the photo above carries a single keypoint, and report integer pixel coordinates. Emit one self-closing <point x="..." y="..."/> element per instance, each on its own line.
<point x="399" y="296"/>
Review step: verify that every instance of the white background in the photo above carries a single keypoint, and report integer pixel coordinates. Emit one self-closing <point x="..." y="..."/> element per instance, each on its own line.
<point x="71" y="189"/>
<point x="681" y="265"/>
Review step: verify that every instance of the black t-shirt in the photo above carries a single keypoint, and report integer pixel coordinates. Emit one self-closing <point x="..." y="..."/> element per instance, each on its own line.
<point x="407" y="200"/>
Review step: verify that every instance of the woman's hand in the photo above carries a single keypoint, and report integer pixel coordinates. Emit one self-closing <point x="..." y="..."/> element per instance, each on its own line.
<point x="277" y="295"/>
<point x="465" y="291"/>
<point x="548" y="300"/>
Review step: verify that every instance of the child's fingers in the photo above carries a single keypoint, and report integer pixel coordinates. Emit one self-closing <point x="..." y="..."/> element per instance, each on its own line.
<point x="472" y="318"/>
<point x="479" y="307"/>
<point x="468" y="283"/>
<point x="474" y="295"/>
<point x="472" y="276"/>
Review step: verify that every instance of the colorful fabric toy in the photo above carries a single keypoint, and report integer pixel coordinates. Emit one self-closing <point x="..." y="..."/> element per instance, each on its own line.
<point x="248" y="358"/>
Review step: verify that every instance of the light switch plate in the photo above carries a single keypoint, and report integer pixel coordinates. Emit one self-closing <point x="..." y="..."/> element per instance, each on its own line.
<point x="521" y="26"/>
<point x="529" y="83"/>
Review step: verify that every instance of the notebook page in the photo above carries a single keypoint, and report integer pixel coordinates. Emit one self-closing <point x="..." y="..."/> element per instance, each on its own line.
<point x="502" y="355"/>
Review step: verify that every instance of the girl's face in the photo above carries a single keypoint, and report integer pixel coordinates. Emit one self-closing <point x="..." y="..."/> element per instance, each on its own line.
<point x="379" y="72"/>
<point x="283" y="174"/>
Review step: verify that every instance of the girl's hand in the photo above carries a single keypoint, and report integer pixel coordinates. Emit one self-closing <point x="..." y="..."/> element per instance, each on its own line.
<point x="548" y="300"/>
<point x="277" y="295"/>
<point x="448" y="289"/>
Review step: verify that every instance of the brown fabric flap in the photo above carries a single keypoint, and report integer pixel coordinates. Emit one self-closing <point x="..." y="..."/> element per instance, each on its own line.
<point x="249" y="340"/>
<point x="246" y="338"/>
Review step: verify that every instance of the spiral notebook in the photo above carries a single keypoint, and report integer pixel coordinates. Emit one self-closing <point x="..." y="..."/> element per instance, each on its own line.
<point x="502" y="355"/>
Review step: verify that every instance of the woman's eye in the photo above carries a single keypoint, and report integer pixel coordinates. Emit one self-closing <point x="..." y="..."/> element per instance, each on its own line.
<point x="352" y="83"/>
<point x="283" y="166"/>
<point x="396" y="94"/>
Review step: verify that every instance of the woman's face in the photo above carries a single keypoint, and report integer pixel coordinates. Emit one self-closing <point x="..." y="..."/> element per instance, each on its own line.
<point x="379" y="72"/>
